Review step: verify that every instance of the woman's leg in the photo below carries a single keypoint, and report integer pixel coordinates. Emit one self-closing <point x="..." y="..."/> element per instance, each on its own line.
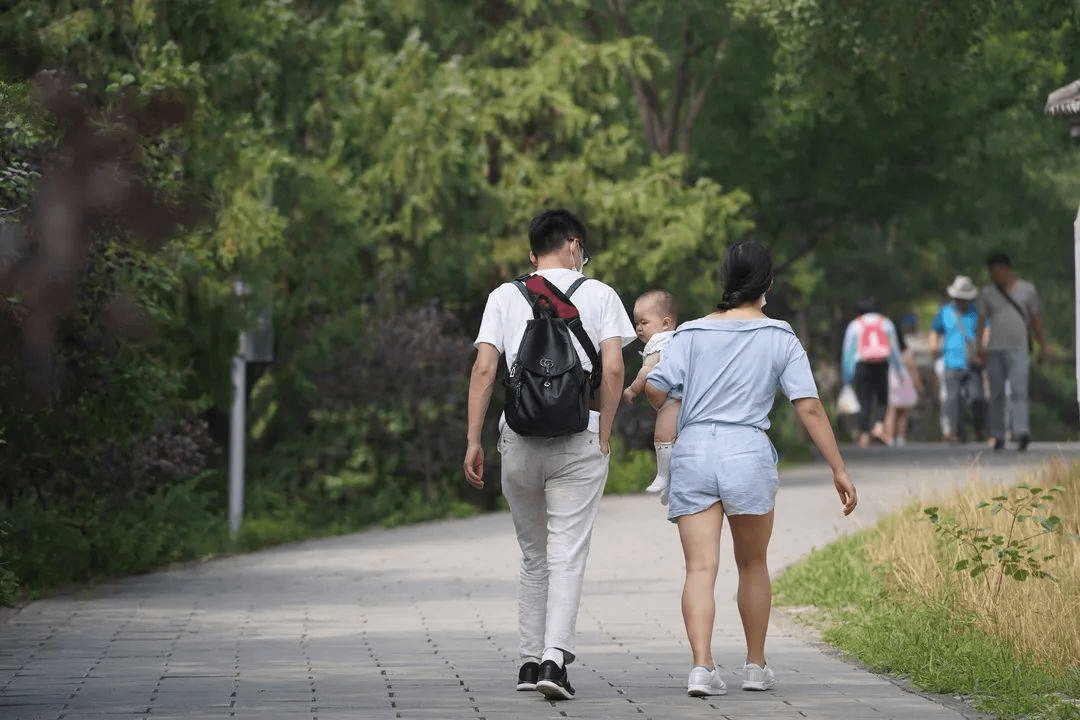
<point x="892" y="417"/>
<point x="864" y="392"/>
<point x="879" y="372"/>
<point x="900" y="425"/>
<point x="750" y="535"/>
<point x="700" y="536"/>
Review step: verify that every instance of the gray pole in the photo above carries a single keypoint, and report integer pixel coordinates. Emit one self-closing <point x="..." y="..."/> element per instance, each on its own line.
<point x="1076" y="240"/>
<point x="237" y="433"/>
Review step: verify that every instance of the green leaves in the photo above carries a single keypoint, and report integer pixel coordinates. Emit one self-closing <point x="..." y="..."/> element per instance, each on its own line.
<point x="1012" y="553"/>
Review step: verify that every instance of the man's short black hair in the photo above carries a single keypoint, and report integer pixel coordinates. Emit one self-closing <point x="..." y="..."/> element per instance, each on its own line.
<point x="999" y="258"/>
<point x="551" y="228"/>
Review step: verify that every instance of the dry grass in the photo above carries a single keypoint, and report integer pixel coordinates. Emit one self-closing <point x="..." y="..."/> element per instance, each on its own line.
<point x="1040" y="618"/>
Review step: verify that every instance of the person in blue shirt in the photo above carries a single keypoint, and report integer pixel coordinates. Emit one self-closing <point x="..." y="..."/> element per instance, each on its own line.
<point x="953" y="336"/>
<point x="727" y="366"/>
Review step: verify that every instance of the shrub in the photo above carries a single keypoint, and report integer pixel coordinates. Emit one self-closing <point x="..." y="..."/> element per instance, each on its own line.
<point x="9" y="582"/>
<point x="76" y="541"/>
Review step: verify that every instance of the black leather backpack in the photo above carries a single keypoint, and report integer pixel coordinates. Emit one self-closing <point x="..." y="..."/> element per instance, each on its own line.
<point x="547" y="389"/>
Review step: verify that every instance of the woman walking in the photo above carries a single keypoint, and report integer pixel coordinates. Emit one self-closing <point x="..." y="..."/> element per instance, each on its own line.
<point x="727" y="366"/>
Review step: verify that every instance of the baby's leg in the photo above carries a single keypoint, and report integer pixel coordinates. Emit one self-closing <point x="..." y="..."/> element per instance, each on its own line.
<point x="663" y="439"/>
<point x="667" y="419"/>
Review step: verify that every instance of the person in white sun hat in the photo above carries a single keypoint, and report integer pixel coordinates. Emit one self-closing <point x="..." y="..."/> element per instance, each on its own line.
<point x="953" y="337"/>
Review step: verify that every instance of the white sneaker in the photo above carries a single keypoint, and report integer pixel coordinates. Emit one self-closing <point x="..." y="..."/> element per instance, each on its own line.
<point x="704" y="682"/>
<point x="756" y="677"/>
<point x="659" y="483"/>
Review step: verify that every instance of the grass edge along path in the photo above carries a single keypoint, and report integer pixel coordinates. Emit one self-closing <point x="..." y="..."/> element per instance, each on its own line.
<point x="858" y="594"/>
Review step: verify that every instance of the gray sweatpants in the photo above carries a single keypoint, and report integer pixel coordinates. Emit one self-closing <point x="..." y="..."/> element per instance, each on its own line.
<point x="553" y="486"/>
<point x="1014" y="366"/>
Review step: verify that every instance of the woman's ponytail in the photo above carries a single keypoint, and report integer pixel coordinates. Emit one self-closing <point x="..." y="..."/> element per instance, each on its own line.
<point x="746" y="274"/>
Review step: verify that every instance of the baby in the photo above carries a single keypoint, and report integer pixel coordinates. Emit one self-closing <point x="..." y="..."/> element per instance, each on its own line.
<point x="654" y="317"/>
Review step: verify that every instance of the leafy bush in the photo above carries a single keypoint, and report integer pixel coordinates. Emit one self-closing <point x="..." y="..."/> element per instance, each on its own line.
<point x="374" y="429"/>
<point x="9" y="582"/>
<point x="1011" y="551"/>
<point x="69" y="542"/>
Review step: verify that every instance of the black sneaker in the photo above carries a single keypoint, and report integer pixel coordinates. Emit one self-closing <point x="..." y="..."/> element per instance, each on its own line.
<point x="528" y="675"/>
<point x="998" y="443"/>
<point x="553" y="682"/>
<point x="1022" y="442"/>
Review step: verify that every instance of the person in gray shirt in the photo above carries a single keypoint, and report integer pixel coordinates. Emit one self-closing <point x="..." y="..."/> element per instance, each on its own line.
<point x="1010" y="307"/>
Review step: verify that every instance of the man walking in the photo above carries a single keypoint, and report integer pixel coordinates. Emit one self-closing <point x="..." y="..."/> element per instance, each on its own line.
<point x="1011" y="308"/>
<point x="552" y="484"/>
<point x="954" y="337"/>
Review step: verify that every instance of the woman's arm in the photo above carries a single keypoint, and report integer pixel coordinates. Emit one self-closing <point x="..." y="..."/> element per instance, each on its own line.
<point x="849" y="353"/>
<point x="813" y="417"/>
<point x="656" y="396"/>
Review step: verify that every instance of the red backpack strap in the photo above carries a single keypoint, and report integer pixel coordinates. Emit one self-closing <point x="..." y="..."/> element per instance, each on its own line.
<point x="538" y="286"/>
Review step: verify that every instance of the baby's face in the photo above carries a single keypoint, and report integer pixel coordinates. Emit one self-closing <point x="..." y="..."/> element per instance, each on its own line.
<point x="648" y="320"/>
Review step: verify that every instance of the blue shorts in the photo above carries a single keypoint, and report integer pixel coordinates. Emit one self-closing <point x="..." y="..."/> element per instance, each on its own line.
<point x="716" y="462"/>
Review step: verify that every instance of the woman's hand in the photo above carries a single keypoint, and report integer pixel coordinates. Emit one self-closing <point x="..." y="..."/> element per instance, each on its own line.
<point x="846" y="489"/>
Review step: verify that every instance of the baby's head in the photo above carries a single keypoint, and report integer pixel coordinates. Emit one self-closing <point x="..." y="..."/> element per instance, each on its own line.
<point x="655" y="311"/>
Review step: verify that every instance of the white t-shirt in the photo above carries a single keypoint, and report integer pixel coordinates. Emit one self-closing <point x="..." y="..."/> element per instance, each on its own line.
<point x="602" y="315"/>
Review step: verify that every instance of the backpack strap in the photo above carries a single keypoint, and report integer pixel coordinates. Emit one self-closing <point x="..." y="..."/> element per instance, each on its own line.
<point x="575" y="286"/>
<point x="1016" y="306"/>
<point x="524" y="290"/>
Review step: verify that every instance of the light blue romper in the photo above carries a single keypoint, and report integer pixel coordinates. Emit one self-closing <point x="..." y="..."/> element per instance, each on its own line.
<point x="727" y="372"/>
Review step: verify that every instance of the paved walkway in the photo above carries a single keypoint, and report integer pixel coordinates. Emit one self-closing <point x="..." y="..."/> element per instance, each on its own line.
<point x="420" y="622"/>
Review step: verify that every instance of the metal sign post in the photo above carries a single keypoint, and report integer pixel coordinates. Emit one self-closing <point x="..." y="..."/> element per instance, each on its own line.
<point x="1076" y="255"/>
<point x="237" y="435"/>
<point x="256" y="346"/>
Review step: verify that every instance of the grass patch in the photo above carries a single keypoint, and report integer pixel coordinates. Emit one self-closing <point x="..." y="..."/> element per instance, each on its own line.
<point x="892" y="598"/>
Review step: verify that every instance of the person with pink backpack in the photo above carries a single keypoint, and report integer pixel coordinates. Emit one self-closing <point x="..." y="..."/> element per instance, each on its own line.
<point x="871" y="345"/>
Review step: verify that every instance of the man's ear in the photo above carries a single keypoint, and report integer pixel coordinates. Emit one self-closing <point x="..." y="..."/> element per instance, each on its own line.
<point x="532" y="259"/>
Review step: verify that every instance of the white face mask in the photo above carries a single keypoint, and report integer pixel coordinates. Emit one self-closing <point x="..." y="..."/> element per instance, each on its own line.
<point x="762" y="299"/>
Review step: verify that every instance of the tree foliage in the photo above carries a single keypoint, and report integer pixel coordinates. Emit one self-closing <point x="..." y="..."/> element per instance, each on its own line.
<point x="368" y="169"/>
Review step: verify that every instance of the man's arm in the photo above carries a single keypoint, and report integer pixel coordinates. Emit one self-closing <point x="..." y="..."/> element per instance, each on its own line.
<point x="980" y="336"/>
<point x="481" y="384"/>
<point x="1040" y="333"/>
<point x="610" y="388"/>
